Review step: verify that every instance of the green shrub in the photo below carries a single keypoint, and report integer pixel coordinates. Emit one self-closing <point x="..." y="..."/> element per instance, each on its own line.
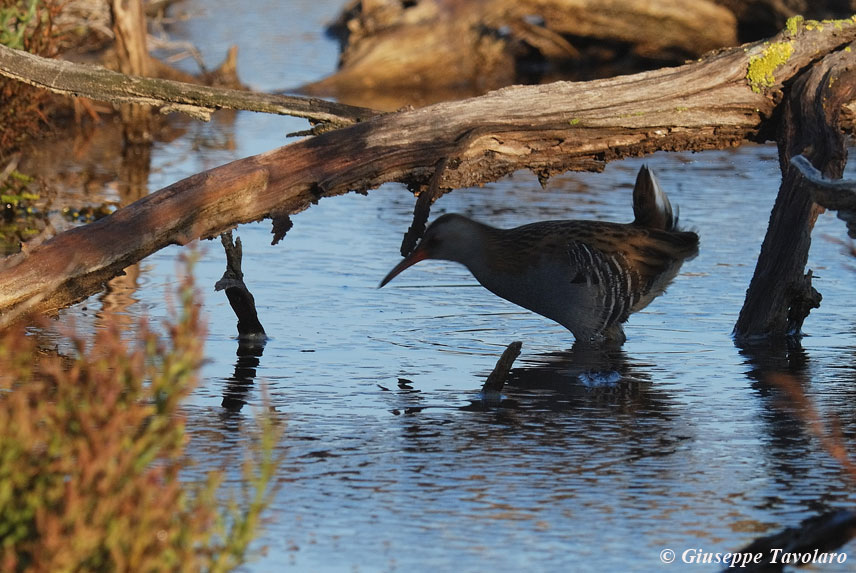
<point x="91" y="447"/>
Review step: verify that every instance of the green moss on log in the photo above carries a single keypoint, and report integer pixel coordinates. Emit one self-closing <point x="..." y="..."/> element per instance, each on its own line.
<point x="761" y="68"/>
<point x="793" y="24"/>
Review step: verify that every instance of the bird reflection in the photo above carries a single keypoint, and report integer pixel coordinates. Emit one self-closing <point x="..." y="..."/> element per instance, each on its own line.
<point x="552" y="423"/>
<point x="568" y="379"/>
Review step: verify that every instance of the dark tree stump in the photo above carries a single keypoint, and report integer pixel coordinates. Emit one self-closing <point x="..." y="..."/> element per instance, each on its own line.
<point x="780" y="295"/>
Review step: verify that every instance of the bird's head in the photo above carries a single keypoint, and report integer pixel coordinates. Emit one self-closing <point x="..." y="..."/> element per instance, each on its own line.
<point x="450" y="238"/>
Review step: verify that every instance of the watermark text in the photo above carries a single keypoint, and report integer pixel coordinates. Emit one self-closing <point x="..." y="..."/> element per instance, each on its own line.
<point x="698" y="556"/>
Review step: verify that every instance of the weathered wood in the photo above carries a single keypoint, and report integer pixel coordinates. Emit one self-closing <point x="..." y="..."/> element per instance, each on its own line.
<point x="548" y="129"/>
<point x="835" y="195"/>
<point x="99" y="83"/>
<point x="780" y="295"/>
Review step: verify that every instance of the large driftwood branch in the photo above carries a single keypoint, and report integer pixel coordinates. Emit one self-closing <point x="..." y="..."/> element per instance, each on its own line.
<point x="99" y="83"/>
<point x="548" y="129"/>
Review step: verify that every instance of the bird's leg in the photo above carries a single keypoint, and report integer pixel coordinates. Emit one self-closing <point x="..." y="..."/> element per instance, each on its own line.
<point x="614" y="335"/>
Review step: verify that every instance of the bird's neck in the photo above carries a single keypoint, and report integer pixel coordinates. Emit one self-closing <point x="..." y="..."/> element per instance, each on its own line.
<point x="469" y="244"/>
<point x="482" y="250"/>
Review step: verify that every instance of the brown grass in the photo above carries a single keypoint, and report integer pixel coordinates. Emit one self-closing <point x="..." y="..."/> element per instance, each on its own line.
<point x="25" y="25"/>
<point x="91" y="448"/>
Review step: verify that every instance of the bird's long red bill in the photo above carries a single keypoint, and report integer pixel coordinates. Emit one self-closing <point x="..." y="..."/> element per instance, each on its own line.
<point x="409" y="261"/>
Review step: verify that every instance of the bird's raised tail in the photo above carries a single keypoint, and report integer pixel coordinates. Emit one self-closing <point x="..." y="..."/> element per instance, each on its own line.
<point x="651" y="206"/>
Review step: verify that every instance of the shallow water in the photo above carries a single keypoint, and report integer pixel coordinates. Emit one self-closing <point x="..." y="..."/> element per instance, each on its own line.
<point x="393" y="461"/>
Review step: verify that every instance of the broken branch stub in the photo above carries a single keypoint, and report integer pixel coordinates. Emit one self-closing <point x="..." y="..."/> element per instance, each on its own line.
<point x="496" y="380"/>
<point x="240" y="298"/>
<point x="835" y="195"/>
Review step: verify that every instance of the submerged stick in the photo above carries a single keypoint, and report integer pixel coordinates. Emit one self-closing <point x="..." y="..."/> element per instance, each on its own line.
<point x="497" y="378"/>
<point x="817" y="536"/>
<point x="240" y="297"/>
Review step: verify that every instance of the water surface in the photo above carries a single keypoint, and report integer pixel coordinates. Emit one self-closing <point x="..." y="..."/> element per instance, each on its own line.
<point x="392" y="462"/>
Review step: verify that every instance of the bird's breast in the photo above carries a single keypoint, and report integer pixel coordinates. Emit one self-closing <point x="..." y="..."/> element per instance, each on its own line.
<point x="544" y="287"/>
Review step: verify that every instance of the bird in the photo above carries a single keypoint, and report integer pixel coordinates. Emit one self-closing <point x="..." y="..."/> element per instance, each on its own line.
<point x="587" y="275"/>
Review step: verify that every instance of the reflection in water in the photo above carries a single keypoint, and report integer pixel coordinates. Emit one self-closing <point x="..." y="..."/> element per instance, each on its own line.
<point x="238" y="386"/>
<point x="583" y="371"/>
<point x="134" y="169"/>
<point x="555" y="451"/>
<point x="609" y="423"/>
<point x="573" y="471"/>
<point x="787" y="441"/>
<point x="551" y="405"/>
<point x="790" y="441"/>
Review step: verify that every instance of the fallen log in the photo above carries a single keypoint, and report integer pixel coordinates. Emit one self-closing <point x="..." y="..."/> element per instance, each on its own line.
<point x="720" y="101"/>
<point x="781" y="295"/>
